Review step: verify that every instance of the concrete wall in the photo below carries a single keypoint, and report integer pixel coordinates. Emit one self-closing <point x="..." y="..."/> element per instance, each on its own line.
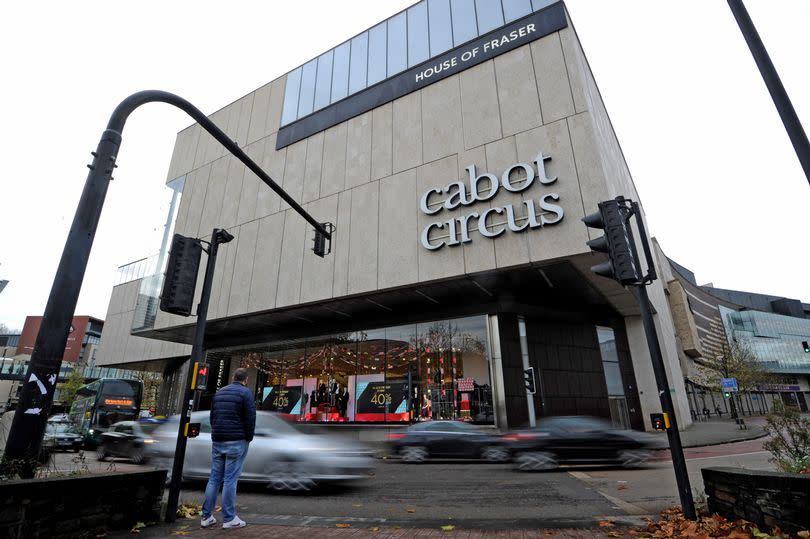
<point x="118" y="345"/>
<point x="367" y="174"/>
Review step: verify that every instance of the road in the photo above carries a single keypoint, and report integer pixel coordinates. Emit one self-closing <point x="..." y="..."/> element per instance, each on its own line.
<point x="491" y="495"/>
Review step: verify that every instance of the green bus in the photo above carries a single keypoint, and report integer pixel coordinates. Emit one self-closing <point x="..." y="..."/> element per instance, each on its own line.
<point x="100" y="404"/>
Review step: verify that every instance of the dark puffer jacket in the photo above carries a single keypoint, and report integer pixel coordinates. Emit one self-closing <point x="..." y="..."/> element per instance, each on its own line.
<point x="233" y="414"/>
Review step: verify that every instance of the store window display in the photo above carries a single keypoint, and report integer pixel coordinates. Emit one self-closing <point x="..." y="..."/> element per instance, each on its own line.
<point x="415" y="372"/>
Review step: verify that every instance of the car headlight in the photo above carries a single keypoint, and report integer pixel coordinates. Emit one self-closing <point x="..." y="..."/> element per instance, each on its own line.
<point x="149" y="441"/>
<point x="91" y="431"/>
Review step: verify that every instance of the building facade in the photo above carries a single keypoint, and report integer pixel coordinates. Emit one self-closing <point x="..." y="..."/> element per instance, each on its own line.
<point x="455" y="147"/>
<point x="775" y="329"/>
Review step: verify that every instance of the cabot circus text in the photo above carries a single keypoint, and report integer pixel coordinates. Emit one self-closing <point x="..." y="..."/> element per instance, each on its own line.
<point x="493" y="221"/>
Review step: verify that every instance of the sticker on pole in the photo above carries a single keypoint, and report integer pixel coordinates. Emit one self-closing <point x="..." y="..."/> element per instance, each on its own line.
<point x="729" y="384"/>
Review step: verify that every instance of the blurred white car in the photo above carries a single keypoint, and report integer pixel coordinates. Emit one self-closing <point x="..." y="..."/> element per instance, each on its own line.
<point x="280" y="455"/>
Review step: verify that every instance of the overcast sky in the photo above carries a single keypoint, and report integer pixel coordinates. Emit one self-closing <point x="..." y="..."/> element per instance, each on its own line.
<point x="720" y="182"/>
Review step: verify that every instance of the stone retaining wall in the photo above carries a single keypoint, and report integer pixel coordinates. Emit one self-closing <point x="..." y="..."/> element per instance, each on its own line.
<point x="83" y="505"/>
<point x="767" y="498"/>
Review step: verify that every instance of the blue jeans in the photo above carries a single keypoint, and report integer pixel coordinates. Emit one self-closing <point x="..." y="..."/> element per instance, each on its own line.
<point x="227" y="459"/>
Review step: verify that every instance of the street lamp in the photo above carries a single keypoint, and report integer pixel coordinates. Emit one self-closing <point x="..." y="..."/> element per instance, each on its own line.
<point x="39" y="384"/>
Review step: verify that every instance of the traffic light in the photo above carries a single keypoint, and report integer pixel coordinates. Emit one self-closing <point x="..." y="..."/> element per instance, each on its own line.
<point x="320" y="246"/>
<point x="806" y="347"/>
<point x="659" y="421"/>
<point x="528" y="380"/>
<point x="615" y="242"/>
<point x="199" y="380"/>
<point x="192" y="430"/>
<point x="181" y="276"/>
<point x="726" y="394"/>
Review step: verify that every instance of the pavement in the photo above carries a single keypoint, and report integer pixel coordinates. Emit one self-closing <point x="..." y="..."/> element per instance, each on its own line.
<point x="714" y="432"/>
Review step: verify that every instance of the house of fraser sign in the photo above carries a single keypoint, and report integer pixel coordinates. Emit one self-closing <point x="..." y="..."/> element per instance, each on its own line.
<point x="453" y="230"/>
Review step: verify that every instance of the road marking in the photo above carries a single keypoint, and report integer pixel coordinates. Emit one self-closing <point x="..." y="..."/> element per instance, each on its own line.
<point x="627" y="507"/>
<point x="729" y="456"/>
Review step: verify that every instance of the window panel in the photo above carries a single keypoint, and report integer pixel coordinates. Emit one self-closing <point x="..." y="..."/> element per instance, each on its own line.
<point x="307" y="93"/>
<point x="323" y="86"/>
<point x="377" y="53"/>
<point x="397" y="44"/>
<point x="441" y="30"/>
<point x="540" y="4"/>
<point x="490" y="15"/>
<point x="340" y="72"/>
<point x="359" y="63"/>
<point x="515" y="9"/>
<point x="465" y="27"/>
<point x="290" y="110"/>
<point x="418" y="42"/>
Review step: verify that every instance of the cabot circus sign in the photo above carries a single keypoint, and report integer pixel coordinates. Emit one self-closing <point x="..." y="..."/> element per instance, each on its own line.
<point x="493" y="221"/>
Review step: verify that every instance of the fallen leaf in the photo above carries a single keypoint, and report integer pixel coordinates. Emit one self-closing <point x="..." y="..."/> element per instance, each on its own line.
<point x="621" y="487"/>
<point x="448" y="528"/>
<point x="374" y="529"/>
<point x="614" y="534"/>
<point x="357" y="505"/>
<point x="411" y="510"/>
<point x="804" y="534"/>
<point x="181" y="532"/>
<point x="342" y="525"/>
<point x="137" y="527"/>
<point x="605" y="523"/>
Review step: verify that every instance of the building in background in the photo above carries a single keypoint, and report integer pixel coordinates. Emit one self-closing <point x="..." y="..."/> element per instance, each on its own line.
<point x="455" y="146"/>
<point x="775" y="329"/>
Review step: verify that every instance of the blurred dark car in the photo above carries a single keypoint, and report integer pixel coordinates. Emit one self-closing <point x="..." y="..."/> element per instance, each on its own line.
<point x="281" y="455"/>
<point x="448" y="439"/>
<point x="128" y="439"/>
<point x="61" y="436"/>
<point x="578" y="440"/>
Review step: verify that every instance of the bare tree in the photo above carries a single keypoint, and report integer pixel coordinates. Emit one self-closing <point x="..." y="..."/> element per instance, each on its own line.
<point x="737" y="360"/>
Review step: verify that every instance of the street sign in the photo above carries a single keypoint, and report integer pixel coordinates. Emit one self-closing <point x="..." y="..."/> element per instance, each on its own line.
<point x="729" y="384"/>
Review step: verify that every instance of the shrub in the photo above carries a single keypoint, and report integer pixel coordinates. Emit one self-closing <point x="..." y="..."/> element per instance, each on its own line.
<point x="789" y="441"/>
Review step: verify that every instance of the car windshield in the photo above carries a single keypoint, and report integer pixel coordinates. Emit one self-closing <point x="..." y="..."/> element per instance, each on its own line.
<point x="58" y="428"/>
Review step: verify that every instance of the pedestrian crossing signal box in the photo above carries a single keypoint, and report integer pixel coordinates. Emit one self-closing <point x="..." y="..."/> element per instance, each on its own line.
<point x="199" y="379"/>
<point x="659" y="421"/>
<point x="192" y="430"/>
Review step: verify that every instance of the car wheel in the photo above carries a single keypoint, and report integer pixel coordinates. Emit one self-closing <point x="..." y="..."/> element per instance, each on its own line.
<point x="634" y="457"/>
<point x="288" y="476"/>
<point x="413" y="454"/>
<point x="101" y="453"/>
<point x="138" y="456"/>
<point x="535" y="461"/>
<point x="495" y="453"/>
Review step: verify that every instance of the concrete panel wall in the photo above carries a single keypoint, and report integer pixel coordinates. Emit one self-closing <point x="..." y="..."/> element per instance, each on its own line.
<point x="117" y="345"/>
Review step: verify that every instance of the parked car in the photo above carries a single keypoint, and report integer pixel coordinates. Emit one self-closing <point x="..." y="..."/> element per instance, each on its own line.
<point x="128" y="439"/>
<point x="578" y="440"/>
<point x="281" y="455"/>
<point x="448" y="439"/>
<point x="60" y="435"/>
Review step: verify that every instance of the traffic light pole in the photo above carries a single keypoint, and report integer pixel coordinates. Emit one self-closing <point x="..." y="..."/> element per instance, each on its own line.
<point x="217" y="237"/>
<point x="673" y="434"/>
<point x="28" y="427"/>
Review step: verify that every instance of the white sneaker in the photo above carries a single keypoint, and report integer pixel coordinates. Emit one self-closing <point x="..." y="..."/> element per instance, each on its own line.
<point x="205" y="522"/>
<point x="235" y="523"/>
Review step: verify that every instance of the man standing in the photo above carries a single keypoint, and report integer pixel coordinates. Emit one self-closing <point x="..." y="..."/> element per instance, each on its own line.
<point x="233" y="420"/>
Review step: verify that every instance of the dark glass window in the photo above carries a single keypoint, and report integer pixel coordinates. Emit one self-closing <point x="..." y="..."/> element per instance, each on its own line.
<point x="358" y="63"/>
<point x="515" y="9"/>
<point x="465" y="26"/>
<point x="290" y="109"/>
<point x="540" y="4"/>
<point x="340" y="72"/>
<point x="418" y="41"/>
<point x="377" y="53"/>
<point x="441" y="28"/>
<point x="397" y="44"/>
<point x="323" y="85"/>
<point x="307" y="92"/>
<point x="490" y="15"/>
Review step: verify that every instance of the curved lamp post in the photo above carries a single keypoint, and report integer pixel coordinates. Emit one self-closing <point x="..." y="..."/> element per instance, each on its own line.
<point x="28" y="427"/>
